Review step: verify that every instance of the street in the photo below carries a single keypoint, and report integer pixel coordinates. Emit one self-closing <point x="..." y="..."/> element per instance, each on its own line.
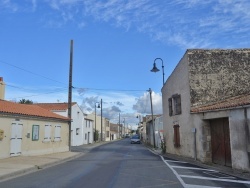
<point x="121" y="164"/>
<point x="115" y="165"/>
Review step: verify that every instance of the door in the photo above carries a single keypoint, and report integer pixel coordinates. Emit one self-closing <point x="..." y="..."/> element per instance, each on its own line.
<point x="220" y="142"/>
<point x="16" y="139"/>
<point x="88" y="137"/>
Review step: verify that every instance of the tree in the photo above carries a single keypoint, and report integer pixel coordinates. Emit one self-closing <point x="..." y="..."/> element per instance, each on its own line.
<point x="24" y="101"/>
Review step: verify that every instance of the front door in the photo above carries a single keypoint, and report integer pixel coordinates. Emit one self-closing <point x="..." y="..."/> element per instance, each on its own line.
<point x="220" y="142"/>
<point x="88" y="137"/>
<point x="16" y="139"/>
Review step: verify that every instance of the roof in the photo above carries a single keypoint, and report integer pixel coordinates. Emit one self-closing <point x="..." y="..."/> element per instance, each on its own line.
<point x="27" y="110"/>
<point x="55" y="106"/>
<point x="232" y="102"/>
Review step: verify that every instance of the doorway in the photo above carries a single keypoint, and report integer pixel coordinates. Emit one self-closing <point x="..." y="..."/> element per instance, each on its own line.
<point x="220" y="142"/>
<point x="16" y="139"/>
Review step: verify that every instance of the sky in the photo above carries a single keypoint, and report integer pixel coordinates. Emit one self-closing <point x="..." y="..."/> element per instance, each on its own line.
<point x="115" y="43"/>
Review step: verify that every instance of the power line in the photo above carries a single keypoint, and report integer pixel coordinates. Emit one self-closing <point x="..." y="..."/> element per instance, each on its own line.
<point x="31" y="72"/>
<point x="42" y="94"/>
<point x="127" y="90"/>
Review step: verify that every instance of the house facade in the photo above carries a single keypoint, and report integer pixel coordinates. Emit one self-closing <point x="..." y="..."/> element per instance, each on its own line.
<point x="101" y="125"/>
<point x="114" y="131"/>
<point x="31" y="130"/>
<point x="206" y="107"/>
<point x="81" y="128"/>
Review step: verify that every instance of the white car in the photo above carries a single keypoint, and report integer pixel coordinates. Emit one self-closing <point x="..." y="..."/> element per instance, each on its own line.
<point x="135" y="139"/>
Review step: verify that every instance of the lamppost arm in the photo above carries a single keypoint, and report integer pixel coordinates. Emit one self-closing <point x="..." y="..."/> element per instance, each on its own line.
<point x="155" y="69"/>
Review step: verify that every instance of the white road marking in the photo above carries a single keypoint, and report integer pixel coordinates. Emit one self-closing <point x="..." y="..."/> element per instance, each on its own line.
<point x="179" y="177"/>
<point x="172" y="161"/>
<point x="215" y="179"/>
<point x="192" y="168"/>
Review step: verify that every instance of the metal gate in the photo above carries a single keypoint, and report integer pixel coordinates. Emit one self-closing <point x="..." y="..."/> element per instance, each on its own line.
<point x="16" y="139"/>
<point x="220" y="142"/>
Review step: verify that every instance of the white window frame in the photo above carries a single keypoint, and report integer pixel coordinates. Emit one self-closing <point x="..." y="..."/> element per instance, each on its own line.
<point x="57" y="134"/>
<point x="47" y="133"/>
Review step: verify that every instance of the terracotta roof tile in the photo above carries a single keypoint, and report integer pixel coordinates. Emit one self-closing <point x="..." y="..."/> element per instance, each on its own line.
<point x="28" y="110"/>
<point x="55" y="106"/>
<point x="224" y="104"/>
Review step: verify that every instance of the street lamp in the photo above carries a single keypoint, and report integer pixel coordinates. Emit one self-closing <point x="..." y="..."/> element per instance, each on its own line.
<point x="155" y="69"/>
<point x="100" y="106"/>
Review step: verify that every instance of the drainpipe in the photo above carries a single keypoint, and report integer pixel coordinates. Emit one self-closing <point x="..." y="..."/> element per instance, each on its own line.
<point x="195" y="150"/>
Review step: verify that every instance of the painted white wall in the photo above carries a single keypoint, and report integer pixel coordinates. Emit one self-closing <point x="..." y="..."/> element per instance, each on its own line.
<point x="178" y="83"/>
<point x="77" y="124"/>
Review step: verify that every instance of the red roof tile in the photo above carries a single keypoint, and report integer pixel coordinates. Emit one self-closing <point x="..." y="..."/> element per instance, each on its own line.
<point x="55" y="106"/>
<point x="28" y="110"/>
<point x="224" y="104"/>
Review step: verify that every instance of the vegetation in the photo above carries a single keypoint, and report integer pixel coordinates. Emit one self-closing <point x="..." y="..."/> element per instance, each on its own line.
<point x="163" y="145"/>
<point x="24" y="101"/>
<point x="96" y="135"/>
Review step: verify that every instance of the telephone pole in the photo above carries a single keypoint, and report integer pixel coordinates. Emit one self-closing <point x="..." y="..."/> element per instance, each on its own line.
<point x="70" y="91"/>
<point x="153" y="121"/>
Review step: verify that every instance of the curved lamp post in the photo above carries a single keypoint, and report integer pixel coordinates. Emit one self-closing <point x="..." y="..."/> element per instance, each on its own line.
<point x="155" y="69"/>
<point x="100" y="106"/>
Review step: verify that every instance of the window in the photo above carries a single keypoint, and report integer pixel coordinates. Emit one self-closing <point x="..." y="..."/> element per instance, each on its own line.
<point x="174" y="105"/>
<point x="35" y="132"/>
<point x="170" y="107"/>
<point x="47" y="132"/>
<point x="57" y="135"/>
<point x="107" y="133"/>
<point x="176" y="136"/>
<point x="77" y="131"/>
<point x="85" y="136"/>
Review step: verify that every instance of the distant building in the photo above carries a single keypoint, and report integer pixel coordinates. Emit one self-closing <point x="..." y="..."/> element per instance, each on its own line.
<point x="81" y="126"/>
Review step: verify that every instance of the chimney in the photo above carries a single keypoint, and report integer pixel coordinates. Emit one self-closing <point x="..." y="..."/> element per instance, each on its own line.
<point x="2" y="88"/>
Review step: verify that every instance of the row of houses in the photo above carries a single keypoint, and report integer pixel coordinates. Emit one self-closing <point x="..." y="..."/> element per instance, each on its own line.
<point x="206" y="108"/>
<point x="43" y="128"/>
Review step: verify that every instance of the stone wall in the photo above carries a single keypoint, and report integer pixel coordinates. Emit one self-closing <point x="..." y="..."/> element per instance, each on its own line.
<point x="218" y="74"/>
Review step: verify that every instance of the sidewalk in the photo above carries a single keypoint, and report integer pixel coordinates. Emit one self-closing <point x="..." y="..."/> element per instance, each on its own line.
<point x="223" y="169"/>
<point x="20" y="165"/>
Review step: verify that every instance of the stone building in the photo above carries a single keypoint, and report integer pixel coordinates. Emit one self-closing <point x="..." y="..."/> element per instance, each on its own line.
<point x="206" y="107"/>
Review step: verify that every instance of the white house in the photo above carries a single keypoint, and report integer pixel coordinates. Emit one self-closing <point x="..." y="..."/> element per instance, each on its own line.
<point x="81" y="133"/>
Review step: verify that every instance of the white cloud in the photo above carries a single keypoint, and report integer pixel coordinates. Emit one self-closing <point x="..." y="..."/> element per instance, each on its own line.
<point x="184" y="23"/>
<point x="143" y="104"/>
<point x="9" y="5"/>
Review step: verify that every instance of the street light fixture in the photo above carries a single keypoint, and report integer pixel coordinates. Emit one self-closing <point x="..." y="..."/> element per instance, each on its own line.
<point x="155" y="69"/>
<point x="100" y="106"/>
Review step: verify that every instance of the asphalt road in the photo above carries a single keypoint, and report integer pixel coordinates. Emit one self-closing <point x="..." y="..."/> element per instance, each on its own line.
<point x="115" y="165"/>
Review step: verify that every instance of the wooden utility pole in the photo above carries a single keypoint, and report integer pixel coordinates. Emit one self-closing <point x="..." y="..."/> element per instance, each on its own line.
<point x="101" y="121"/>
<point x="70" y="91"/>
<point x="153" y="121"/>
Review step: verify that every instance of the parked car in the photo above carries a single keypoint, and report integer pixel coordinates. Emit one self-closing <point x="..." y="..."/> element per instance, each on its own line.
<point x="135" y="139"/>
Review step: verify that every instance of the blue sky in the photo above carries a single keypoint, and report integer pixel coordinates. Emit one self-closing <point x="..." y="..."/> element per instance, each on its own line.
<point x="115" y="44"/>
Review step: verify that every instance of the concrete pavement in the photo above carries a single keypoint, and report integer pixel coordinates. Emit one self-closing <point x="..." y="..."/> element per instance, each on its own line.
<point x="20" y="165"/>
<point x="16" y="166"/>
